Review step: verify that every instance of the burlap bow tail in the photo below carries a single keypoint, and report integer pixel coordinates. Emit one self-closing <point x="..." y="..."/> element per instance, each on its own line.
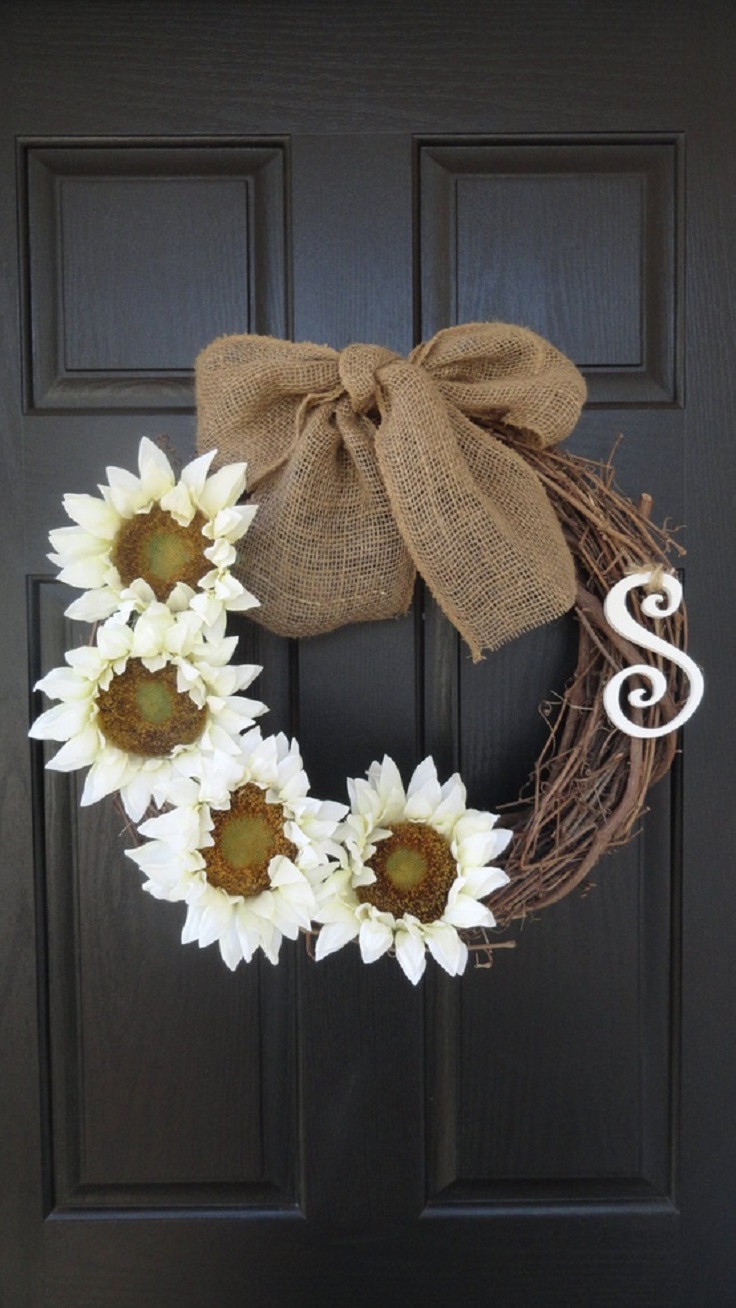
<point x="368" y="468"/>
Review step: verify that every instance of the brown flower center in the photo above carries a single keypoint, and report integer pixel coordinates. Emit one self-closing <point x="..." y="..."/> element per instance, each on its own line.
<point x="144" y="713"/>
<point x="414" y="870"/>
<point x="157" y="548"/>
<point x="247" y="836"/>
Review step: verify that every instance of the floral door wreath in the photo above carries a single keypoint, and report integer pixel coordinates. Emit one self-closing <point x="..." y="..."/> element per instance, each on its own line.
<point x="364" y="470"/>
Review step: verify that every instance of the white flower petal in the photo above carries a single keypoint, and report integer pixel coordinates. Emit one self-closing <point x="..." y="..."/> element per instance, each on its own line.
<point x="192" y="922"/>
<point x="230" y="946"/>
<point x="242" y="601"/>
<point x="207" y="606"/>
<point x="86" y="661"/>
<point x="471" y="822"/>
<point x="334" y="935"/>
<point x="464" y="911"/>
<point x="74" y="543"/>
<point x="85" y="573"/>
<point x="282" y="872"/>
<point x="451" y="806"/>
<point x="233" y="522"/>
<point x="114" y="641"/>
<point x="502" y="840"/>
<point x="271" y="943"/>
<point x="375" y="938"/>
<point x="221" y="555"/>
<point x="136" y="796"/>
<point x="96" y="516"/>
<point x="423" y="775"/>
<point x="249" y="931"/>
<point x="217" y="914"/>
<point x="446" y="947"/>
<point x="62" y="721"/>
<point x="476" y="851"/>
<point x="108" y="773"/>
<point x="194" y="474"/>
<point x="64" y="683"/>
<point x="482" y="881"/>
<point x="78" y="752"/>
<point x="93" y="605"/>
<point x="385" y="778"/>
<point x="222" y="489"/>
<point x="411" y="956"/>
<point x="178" y="502"/>
<point x="157" y="476"/>
<point x="288" y="917"/>
<point x="122" y="481"/>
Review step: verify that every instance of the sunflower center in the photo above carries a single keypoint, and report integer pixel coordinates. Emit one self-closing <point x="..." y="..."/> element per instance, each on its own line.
<point x="414" y="870"/>
<point x="154" y="701"/>
<point x="247" y="836"/>
<point x="246" y="842"/>
<point x="159" y="549"/>
<point x="406" y="867"/>
<point x="144" y="713"/>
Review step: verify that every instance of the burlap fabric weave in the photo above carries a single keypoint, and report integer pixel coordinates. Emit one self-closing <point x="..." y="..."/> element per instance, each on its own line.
<point x="368" y="467"/>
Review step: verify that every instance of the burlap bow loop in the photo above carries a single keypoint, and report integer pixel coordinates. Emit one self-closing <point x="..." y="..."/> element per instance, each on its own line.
<point x="368" y="467"/>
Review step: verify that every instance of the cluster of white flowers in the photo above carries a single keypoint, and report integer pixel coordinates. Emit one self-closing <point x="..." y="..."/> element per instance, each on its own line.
<point x="153" y="699"/>
<point x="152" y="706"/>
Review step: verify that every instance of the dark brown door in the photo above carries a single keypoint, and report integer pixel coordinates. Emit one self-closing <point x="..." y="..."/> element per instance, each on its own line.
<point x="558" y="1130"/>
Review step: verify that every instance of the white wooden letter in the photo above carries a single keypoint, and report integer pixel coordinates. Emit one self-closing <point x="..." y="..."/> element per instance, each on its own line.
<point x="618" y="616"/>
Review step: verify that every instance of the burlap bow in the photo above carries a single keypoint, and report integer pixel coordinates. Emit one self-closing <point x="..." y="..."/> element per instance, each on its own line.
<point x="369" y="467"/>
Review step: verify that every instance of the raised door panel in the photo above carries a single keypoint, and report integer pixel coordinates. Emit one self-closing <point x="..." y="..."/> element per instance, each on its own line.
<point x="578" y="239"/>
<point x="136" y="257"/>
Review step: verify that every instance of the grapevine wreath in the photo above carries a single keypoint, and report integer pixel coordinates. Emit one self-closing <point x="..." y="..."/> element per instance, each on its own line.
<point x="365" y="469"/>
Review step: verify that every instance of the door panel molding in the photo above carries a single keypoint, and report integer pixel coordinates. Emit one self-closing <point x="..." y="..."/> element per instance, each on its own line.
<point x="139" y="253"/>
<point x="539" y="230"/>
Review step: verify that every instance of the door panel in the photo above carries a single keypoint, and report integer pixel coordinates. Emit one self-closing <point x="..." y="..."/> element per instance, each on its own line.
<point x="117" y="309"/>
<point x="556" y="1129"/>
<point x="536" y="231"/>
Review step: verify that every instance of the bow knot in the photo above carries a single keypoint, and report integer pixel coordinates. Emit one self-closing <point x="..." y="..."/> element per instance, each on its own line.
<point x="358" y="366"/>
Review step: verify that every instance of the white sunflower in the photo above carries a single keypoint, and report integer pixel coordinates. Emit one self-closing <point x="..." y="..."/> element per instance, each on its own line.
<point x="178" y="536"/>
<point x="417" y="865"/>
<point x="149" y="705"/>
<point x="247" y="869"/>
